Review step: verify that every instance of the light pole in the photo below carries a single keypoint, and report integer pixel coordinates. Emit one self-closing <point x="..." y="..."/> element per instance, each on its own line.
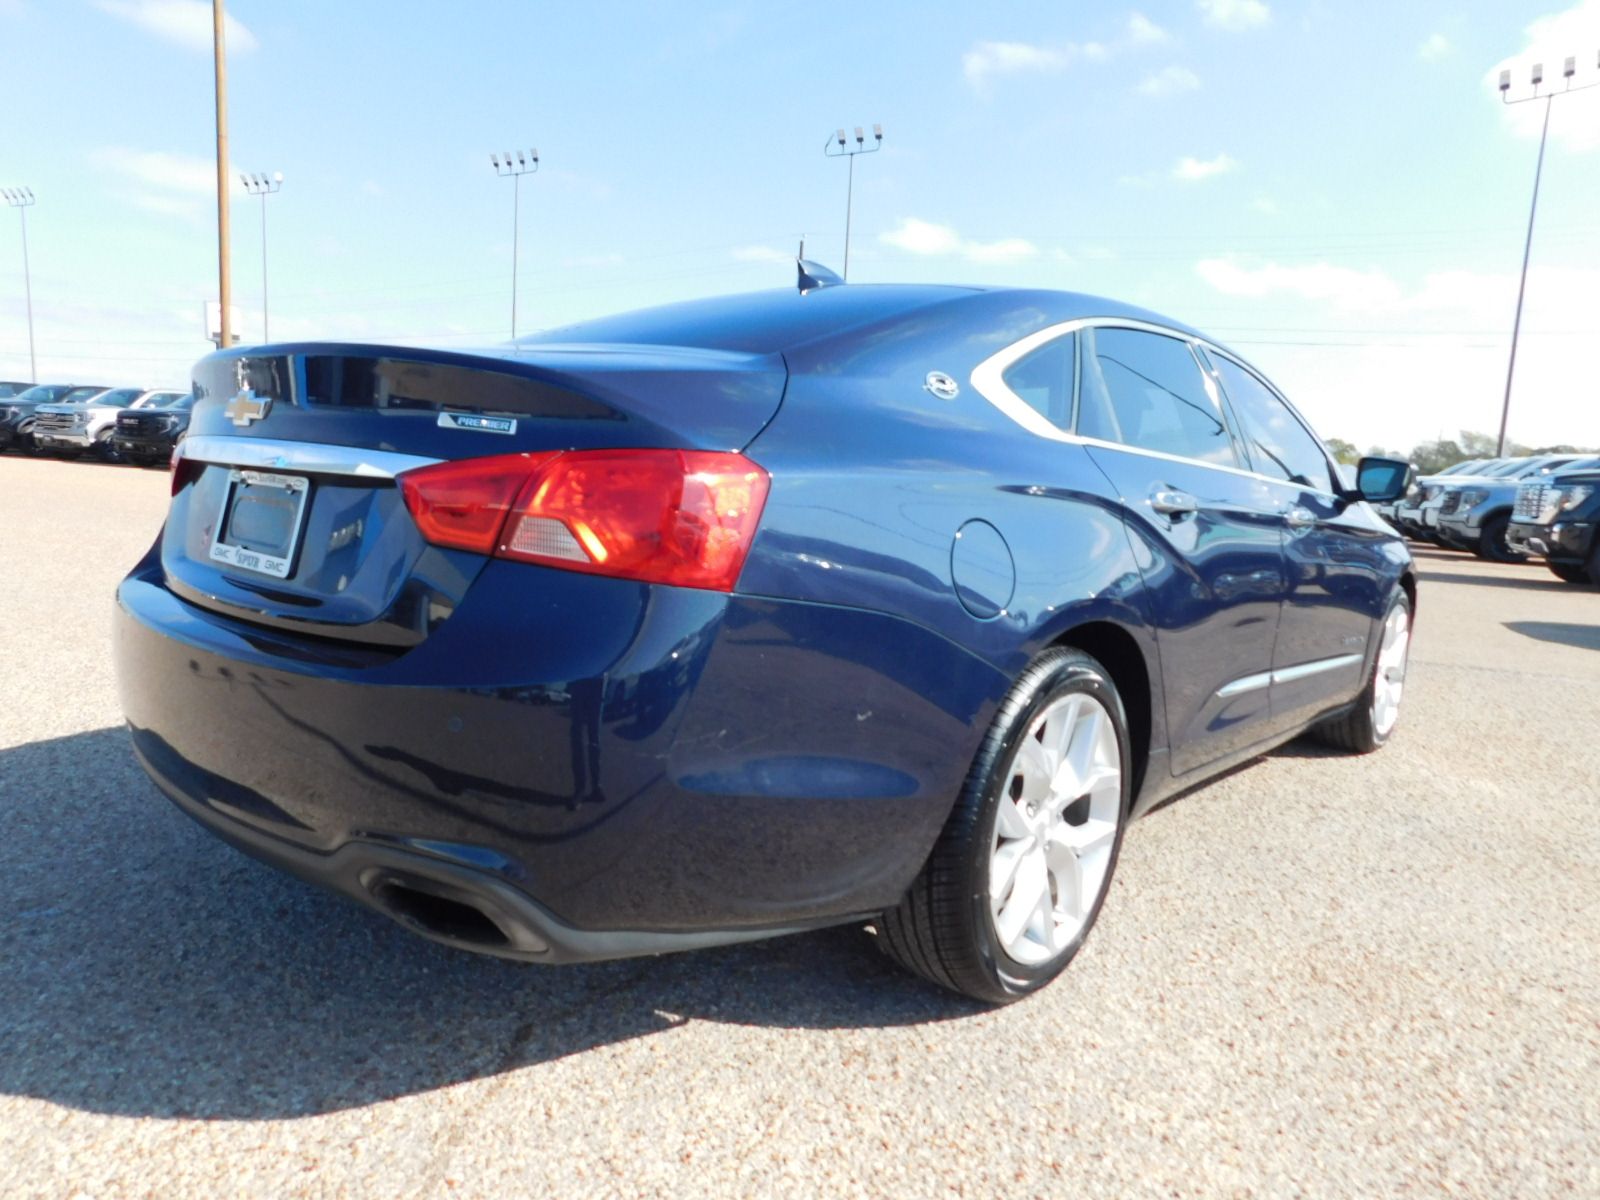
<point x="1568" y="70"/>
<point x="260" y="185"/>
<point x="22" y="199"/>
<point x="515" y="169"/>
<point x="219" y="55"/>
<point x="838" y="146"/>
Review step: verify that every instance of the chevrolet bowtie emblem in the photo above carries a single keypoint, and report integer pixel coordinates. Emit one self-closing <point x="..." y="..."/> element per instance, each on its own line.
<point x="247" y="407"/>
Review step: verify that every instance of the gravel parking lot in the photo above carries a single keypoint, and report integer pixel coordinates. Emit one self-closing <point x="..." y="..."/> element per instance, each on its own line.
<point x="1319" y="976"/>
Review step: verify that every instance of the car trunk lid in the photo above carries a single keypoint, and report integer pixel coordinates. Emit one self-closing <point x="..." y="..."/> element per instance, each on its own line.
<point x="286" y="512"/>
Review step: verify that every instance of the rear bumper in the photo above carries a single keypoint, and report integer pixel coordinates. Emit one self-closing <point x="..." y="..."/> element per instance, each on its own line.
<point x="622" y="769"/>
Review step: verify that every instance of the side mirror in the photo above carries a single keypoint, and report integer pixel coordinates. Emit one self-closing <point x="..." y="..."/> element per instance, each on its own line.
<point x="1380" y="480"/>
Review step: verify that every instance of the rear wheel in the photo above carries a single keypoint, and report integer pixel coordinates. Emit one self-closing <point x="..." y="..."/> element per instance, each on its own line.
<point x="1492" y="543"/>
<point x="1368" y="725"/>
<point x="1018" y="876"/>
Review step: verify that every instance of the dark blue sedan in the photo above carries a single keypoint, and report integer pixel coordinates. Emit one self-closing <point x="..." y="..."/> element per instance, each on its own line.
<point x="876" y="604"/>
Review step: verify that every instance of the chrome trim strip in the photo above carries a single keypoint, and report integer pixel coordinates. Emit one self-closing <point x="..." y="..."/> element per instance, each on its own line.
<point x="1252" y="683"/>
<point x="987" y="380"/>
<point x="1316" y="667"/>
<point x="1245" y="683"/>
<point x="315" y="457"/>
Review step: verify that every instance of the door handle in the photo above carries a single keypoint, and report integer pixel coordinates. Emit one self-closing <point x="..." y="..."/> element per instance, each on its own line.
<point x="1300" y="518"/>
<point x="1172" y="503"/>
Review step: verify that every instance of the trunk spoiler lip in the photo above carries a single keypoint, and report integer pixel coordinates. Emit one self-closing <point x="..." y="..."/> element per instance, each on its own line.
<point x="322" y="458"/>
<point x="550" y="361"/>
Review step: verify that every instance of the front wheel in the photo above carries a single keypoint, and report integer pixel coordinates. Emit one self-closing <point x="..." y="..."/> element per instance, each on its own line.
<point x="1368" y="725"/>
<point x="1019" y="873"/>
<point x="1492" y="543"/>
<point x="105" y="449"/>
<point x="1571" y="572"/>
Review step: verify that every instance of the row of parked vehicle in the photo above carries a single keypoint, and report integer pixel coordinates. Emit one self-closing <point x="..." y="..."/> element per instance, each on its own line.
<point x="1510" y="509"/>
<point x="115" y="424"/>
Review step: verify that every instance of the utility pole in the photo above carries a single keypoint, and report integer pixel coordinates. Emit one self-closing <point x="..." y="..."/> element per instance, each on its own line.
<point x="838" y="147"/>
<point x="515" y="170"/>
<point x="224" y="280"/>
<point x="1568" y="70"/>
<point x="22" y="199"/>
<point x="260" y="185"/>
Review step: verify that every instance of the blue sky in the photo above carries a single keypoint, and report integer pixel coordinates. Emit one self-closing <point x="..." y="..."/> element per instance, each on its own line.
<point x="1335" y="189"/>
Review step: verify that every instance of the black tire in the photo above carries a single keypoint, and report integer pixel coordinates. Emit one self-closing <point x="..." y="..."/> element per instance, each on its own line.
<point x="1357" y="731"/>
<point x="104" y="449"/>
<point x="1569" y="572"/>
<point x="1492" y="544"/>
<point x="943" y="929"/>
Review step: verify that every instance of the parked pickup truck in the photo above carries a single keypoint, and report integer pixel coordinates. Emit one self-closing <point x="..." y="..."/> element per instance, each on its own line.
<point x="1558" y="516"/>
<point x="1475" y="513"/>
<point x="18" y="413"/>
<point x="74" y="427"/>
<point x="147" y="434"/>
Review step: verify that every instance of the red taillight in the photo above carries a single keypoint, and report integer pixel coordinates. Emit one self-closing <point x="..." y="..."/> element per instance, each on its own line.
<point x="684" y="517"/>
<point x="464" y="504"/>
<point x="184" y="470"/>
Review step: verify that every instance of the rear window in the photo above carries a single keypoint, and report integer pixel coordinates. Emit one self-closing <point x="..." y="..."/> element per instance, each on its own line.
<point x="1042" y="379"/>
<point x="1146" y="390"/>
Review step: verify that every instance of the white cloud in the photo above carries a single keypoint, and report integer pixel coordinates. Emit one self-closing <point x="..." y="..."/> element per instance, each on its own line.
<point x="1437" y="46"/>
<point x="186" y="23"/>
<point x="762" y="254"/>
<point x="1142" y="31"/>
<point x="922" y="237"/>
<point x="187" y="207"/>
<point x="916" y="236"/>
<point x="1169" y="82"/>
<point x="988" y="60"/>
<point x="1399" y="364"/>
<point x="1342" y="287"/>
<point x="1575" y="122"/>
<point x="1234" y="14"/>
<point x="187" y="174"/>
<point x="1265" y="205"/>
<point x="1192" y="170"/>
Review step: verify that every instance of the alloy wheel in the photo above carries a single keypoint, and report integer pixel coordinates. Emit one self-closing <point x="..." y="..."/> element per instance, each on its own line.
<point x="1055" y="829"/>
<point x="1389" y="680"/>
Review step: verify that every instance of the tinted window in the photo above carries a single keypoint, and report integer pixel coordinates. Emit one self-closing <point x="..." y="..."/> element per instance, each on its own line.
<point x="1277" y="443"/>
<point x="1146" y="390"/>
<point x="1042" y="379"/>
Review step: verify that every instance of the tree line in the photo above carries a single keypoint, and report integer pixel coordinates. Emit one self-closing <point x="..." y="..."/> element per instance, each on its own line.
<point x="1430" y="457"/>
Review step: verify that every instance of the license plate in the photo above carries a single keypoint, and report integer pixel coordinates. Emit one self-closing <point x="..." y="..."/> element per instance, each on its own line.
<point x="259" y="526"/>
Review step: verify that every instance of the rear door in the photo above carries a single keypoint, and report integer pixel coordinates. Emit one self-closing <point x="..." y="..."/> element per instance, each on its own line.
<point x="1210" y="534"/>
<point x="1334" y="553"/>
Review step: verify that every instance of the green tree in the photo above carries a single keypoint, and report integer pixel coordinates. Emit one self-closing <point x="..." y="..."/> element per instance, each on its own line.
<point x="1342" y="450"/>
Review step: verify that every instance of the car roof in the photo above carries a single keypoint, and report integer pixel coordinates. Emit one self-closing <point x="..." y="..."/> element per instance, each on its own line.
<point x="771" y="322"/>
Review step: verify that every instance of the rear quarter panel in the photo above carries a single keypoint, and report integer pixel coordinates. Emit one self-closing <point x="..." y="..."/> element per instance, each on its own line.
<point x="873" y="476"/>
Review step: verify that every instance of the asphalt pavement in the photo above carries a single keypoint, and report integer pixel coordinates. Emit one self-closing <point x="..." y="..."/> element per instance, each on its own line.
<point x="1320" y="975"/>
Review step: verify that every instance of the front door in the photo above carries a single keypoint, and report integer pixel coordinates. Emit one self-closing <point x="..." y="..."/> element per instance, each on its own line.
<point x="1334" y="552"/>
<point x="1209" y="535"/>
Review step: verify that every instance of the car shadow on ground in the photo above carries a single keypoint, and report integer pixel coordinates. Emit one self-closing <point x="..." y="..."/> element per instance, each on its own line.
<point x="1537" y="578"/>
<point x="153" y="971"/>
<point x="1586" y="637"/>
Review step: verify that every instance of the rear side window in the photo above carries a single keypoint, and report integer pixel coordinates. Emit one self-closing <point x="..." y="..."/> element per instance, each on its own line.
<point x="1277" y="443"/>
<point x="1146" y="390"/>
<point x="1042" y="379"/>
